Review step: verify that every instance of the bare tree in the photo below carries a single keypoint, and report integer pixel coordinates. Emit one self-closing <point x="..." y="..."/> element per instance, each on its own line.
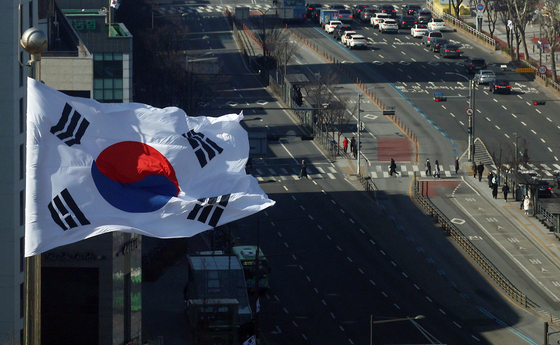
<point x="282" y="47"/>
<point x="456" y="5"/>
<point x="520" y="13"/>
<point x="492" y="8"/>
<point x="503" y="155"/>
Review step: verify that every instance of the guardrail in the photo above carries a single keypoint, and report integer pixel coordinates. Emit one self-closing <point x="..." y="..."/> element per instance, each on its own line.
<point x="368" y="185"/>
<point x="462" y="25"/>
<point x="470" y="248"/>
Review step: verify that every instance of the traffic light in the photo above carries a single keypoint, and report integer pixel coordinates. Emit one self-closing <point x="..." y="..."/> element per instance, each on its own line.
<point x="440" y="99"/>
<point x="539" y="102"/>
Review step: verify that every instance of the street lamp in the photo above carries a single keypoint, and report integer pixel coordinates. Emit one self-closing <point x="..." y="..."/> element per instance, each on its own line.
<point x="470" y="130"/>
<point x="371" y="322"/>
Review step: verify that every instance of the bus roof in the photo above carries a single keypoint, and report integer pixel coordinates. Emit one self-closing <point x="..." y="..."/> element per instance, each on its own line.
<point x="247" y="252"/>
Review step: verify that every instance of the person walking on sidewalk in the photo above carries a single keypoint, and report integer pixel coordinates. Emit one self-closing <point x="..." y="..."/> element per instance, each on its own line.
<point x="474" y="168"/>
<point x="456" y="165"/>
<point x="345" y="145"/>
<point x="505" y="191"/>
<point x="303" y="171"/>
<point x="480" y="170"/>
<point x="490" y="178"/>
<point x="495" y="190"/>
<point x="436" y="169"/>
<point x="353" y="147"/>
<point x="522" y="202"/>
<point x="428" y="167"/>
<point x="526" y="204"/>
<point x="393" y="168"/>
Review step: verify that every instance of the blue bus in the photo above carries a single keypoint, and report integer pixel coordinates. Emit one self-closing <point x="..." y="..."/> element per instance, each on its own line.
<point x="292" y="10"/>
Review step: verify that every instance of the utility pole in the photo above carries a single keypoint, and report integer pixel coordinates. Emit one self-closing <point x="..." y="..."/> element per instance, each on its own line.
<point x="359" y="143"/>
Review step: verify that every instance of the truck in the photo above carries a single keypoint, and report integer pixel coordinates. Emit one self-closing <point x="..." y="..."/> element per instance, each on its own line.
<point x="326" y="16"/>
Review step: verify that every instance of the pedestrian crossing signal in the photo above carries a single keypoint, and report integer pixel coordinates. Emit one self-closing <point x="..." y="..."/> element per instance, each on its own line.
<point x="440" y="99"/>
<point x="539" y="102"/>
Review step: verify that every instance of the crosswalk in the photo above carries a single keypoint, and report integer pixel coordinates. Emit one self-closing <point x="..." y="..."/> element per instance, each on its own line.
<point x="263" y="174"/>
<point x="165" y="10"/>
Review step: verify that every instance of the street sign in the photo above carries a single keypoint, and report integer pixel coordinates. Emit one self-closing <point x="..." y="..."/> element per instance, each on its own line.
<point x="469" y="111"/>
<point x="479" y="14"/>
<point x="543" y="69"/>
<point x="480" y="7"/>
<point x="437" y="94"/>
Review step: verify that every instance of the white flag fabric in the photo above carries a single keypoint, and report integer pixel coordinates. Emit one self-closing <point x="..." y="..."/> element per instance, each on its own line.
<point x="115" y="4"/>
<point x="94" y="168"/>
<point x="250" y="341"/>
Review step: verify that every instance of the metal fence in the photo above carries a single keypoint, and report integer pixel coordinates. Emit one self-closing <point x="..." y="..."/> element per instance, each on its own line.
<point x="470" y="248"/>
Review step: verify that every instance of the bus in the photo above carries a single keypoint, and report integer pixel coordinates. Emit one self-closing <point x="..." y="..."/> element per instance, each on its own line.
<point x="292" y="10"/>
<point x="247" y="256"/>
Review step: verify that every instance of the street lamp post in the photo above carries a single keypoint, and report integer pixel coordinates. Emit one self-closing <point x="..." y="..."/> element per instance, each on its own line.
<point x="371" y="323"/>
<point x="472" y="105"/>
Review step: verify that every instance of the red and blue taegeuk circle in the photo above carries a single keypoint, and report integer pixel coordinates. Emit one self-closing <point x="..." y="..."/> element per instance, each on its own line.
<point x="134" y="177"/>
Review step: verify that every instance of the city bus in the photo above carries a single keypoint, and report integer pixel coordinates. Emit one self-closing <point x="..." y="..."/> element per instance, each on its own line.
<point x="292" y="10"/>
<point x="247" y="256"/>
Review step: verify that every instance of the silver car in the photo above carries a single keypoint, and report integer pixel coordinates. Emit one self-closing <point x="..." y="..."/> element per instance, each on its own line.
<point x="484" y="76"/>
<point x="345" y="16"/>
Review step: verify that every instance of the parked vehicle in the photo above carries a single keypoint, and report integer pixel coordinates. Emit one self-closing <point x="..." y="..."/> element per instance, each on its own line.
<point x="374" y="21"/>
<point x="423" y="16"/>
<point x="437" y="24"/>
<point x="429" y="35"/>
<point x="436" y="43"/>
<point x="473" y="64"/>
<point x="367" y="13"/>
<point x="500" y="86"/>
<point x="450" y="50"/>
<point x="409" y="10"/>
<point x="357" y="41"/>
<point x="388" y="25"/>
<point x="325" y="16"/>
<point x="484" y="76"/>
<point x="406" y="21"/>
<point x="418" y="30"/>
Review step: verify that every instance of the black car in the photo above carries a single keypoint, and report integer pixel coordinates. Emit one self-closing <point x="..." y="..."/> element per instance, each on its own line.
<point x="545" y="189"/>
<point x="356" y="10"/>
<point x="337" y="7"/>
<point x="406" y="21"/>
<point x="450" y="50"/>
<point x="389" y="9"/>
<point x="409" y="10"/>
<point x="423" y="16"/>
<point x="312" y="6"/>
<point x="436" y="43"/>
<point x="339" y="31"/>
<point x="473" y="64"/>
<point x="367" y="13"/>
<point x="500" y="86"/>
<point x="316" y="14"/>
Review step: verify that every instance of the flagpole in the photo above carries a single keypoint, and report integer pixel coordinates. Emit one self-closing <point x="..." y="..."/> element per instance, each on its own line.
<point x="33" y="41"/>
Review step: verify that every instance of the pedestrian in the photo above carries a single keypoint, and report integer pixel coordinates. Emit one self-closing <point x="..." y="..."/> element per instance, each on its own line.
<point x="428" y="167"/>
<point x="456" y="165"/>
<point x="393" y="168"/>
<point x="526" y="204"/>
<point x="345" y="145"/>
<point x="495" y="190"/>
<point x="436" y="169"/>
<point x="303" y="171"/>
<point x="522" y="202"/>
<point x="480" y="170"/>
<point x="505" y="191"/>
<point x="355" y="151"/>
<point x="353" y="147"/>
<point x="490" y="177"/>
<point x="474" y="169"/>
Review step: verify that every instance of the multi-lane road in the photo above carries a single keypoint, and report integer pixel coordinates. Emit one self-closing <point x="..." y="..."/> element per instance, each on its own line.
<point x="340" y="259"/>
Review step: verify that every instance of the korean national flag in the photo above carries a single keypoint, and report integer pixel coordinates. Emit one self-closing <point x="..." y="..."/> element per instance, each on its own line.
<point x="94" y="168"/>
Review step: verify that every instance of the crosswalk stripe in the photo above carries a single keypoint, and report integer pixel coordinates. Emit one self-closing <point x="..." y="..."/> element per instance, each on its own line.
<point x="333" y="170"/>
<point x="321" y="170"/>
<point x="331" y="175"/>
<point x="548" y="173"/>
<point x="556" y="166"/>
<point x="415" y="168"/>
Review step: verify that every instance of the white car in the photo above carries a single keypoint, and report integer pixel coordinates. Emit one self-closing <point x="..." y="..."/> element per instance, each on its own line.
<point x="344" y="39"/>
<point x="357" y="41"/>
<point x="374" y="21"/>
<point x="329" y="28"/>
<point x="388" y="25"/>
<point x="437" y="24"/>
<point x="418" y="30"/>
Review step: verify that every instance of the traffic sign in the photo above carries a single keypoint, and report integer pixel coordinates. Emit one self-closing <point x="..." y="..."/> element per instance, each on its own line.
<point x="469" y="111"/>
<point x="437" y="94"/>
<point x="543" y="69"/>
<point x="480" y="7"/>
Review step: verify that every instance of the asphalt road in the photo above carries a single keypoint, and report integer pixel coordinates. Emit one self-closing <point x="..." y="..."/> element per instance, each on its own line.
<point x="338" y="257"/>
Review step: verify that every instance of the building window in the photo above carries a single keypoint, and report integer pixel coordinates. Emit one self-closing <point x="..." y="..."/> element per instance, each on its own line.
<point x="108" y="77"/>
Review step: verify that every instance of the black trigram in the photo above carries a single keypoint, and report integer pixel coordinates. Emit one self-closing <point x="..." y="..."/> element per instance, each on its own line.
<point x="204" y="148"/>
<point x="65" y="212"/>
<point x="75" y="126"/>
<point x="212" y="208"/>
